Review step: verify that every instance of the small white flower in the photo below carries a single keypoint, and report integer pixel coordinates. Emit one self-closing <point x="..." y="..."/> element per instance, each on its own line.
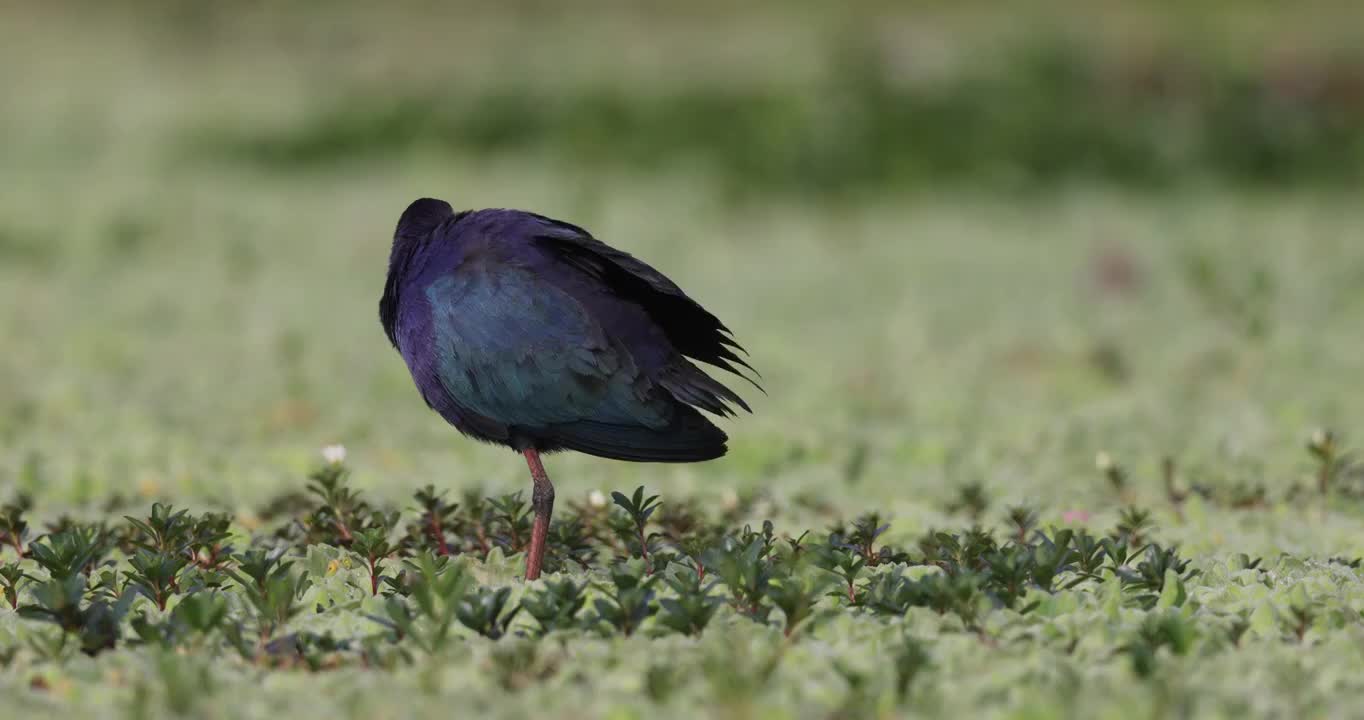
<point x="596" y="499"/>
<point x="1103" y="461"/>
<point x="729" y="499"/>
<point x="334" y="454"/>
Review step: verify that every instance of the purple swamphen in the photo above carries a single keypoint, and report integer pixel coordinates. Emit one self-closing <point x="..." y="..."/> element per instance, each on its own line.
<point x="529" y="332"/>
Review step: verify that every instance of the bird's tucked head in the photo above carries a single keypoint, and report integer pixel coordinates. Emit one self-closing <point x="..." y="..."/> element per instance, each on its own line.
<point x="420" y="218"/>
<point x="417" y="223"/>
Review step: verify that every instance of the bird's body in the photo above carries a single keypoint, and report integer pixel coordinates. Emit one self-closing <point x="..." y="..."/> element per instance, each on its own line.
<point x="528" y="332"/>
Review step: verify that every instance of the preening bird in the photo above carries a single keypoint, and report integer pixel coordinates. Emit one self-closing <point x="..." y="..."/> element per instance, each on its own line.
<point x="528" y="332"/>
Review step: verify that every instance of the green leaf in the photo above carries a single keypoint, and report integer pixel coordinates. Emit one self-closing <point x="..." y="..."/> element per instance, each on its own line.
<point x="1264" y="621"/>
<point x="1173" y="595"/>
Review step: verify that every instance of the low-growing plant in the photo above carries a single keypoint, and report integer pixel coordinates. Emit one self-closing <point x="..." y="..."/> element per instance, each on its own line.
<point x="638" y="509"/>
<point x="568" y="540"/>
<point x="629" y="599"/>
<point x="83" y="579"/>
<point x="1331" y="458"/>
<point x="1236" y="629"/>
<point x="862" y="537"/>
<point x="521" y="662"/>
<point x="166" y="531"/>
<point x="1022" y="521"/>
<point x="14" y="528"/>
<point x="1159" y="629"/>
<point x="428" y="612"/>
<point x="1090" y="554"/>
<point x="1112" y="472"/>
<point x="70" y="552"/>
<point x="796" y="594"/>
<point x="1300" y="619"/>
<point x="1050" y="556"/>
<point x="341" y="511"/>
<point x="195" y="617"/>
<point x="94" y="623"/>
<point x="693" y="607"/>
<point x="1148" y="578"/>
<point x="556" y="606"/>
<point x="485" y="611"/>
<point x="737" y="667"/>
<point x="1134" y="524"/>
<point x="435" y="519"/>
<point x="511" y="521"/>
<point x="745" y="571"/>
<point x="207" y="541"/>
<point x="272" y="589"/>
<point x="859" y="700"/>
<point x="155" y="575"/>
<point x="845" y="563"/>
<point x="891" y="593"/>
<point x="12" y="580"/>
<point x="1008" y="572"/>
<point x="909" y="660"/>
<point x="972" y="500"/>
<point x="662" y="680"/>
<point x="372" y="545"/>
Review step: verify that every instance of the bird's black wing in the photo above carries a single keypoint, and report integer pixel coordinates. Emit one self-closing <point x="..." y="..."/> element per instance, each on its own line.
<point x="692" y="329"/>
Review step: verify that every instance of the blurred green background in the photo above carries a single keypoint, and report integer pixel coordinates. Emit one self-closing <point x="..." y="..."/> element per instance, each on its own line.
<point x="963" y="243"/>
<point x="969" y="245"/>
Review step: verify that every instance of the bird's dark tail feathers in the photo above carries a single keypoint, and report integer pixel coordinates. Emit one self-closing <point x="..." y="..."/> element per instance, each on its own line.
<point x="691" y="438"/>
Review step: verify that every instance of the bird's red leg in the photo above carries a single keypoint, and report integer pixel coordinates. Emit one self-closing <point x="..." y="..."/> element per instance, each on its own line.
<point x="542" y="502"/>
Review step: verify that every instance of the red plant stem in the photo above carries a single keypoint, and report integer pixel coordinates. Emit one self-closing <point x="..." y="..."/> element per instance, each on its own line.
<point x="373" y="577"/>
<point x="644" y="552"/>
<point x="436" y="531"/>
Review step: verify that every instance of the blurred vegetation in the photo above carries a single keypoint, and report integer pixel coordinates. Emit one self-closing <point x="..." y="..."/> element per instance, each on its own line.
<point x="833" y="101"/>
<point x="1012" y="273"/>
<point x="1039" y="114"/>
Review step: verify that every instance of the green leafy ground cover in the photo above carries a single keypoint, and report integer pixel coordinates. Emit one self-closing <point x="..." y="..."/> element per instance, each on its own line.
<point x="191" y="254"/>
<point x="652" y="607"/>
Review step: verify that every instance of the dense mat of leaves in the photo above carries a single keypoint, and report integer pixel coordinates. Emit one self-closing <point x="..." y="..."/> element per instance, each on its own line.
<point x="438" y="574"/>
